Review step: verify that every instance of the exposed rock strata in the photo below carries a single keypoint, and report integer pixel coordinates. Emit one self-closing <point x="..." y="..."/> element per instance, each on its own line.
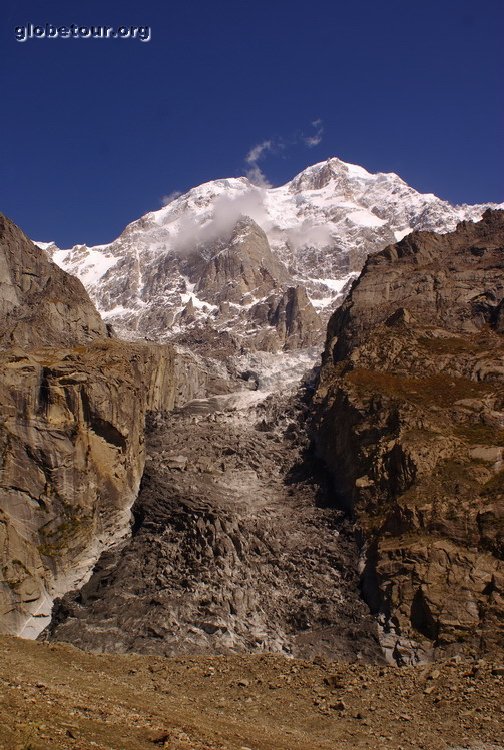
<point x="71" y="462"/>
<point x="237" y="265"/>
<point x="295" y="319"/>
<point x="411" y="422"/>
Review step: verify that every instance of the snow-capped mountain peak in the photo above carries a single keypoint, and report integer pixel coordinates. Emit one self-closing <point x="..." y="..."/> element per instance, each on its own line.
<point x="314" y="232"/>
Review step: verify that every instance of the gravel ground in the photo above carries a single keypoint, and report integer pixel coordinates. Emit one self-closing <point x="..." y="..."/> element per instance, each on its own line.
<point x="56" y="696"/>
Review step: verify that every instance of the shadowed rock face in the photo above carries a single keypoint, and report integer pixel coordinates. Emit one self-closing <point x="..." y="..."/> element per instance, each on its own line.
<point x="233" y="550"/>
<point x="411" y="423"/>
<point x="295" y="318"/>
<point x="40" y="304"/>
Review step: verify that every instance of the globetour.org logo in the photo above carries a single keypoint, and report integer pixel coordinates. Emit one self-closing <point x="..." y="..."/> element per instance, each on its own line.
<point x="75" y="31"/>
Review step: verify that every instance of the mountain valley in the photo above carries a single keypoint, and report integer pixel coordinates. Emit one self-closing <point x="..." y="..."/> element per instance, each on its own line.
<point x="251" y="456"/>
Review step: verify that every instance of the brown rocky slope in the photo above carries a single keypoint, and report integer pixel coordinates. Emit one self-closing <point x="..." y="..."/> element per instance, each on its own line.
<point x="56" y="697"/>
<point x="410" y="420"/>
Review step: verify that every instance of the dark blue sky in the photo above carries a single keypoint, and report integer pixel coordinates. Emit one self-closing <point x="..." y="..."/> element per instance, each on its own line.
<point x="94" y="132"/>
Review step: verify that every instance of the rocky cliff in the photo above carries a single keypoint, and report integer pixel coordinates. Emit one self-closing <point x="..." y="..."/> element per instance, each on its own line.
<point x="250" y="294"/>
<point x="39" y="303"/>
<point x="73" y="406"/>
<point x="410" y="420"/>
<point x="235" y="266"/>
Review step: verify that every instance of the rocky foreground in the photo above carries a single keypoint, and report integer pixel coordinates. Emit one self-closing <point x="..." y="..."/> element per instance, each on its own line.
<point x="57" y="697"/>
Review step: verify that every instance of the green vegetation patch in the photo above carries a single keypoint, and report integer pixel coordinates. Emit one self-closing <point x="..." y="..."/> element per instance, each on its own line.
<point x="436" y="390"/>
<point x="480" y="434"/>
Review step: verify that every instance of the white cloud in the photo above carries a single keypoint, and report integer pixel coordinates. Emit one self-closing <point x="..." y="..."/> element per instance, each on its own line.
<point x="315" y="138"/>
<point x="309" y="234"/>
<point x="256" y="152"/>
<point x="226" y="212"/>
<point x="255" y="174"/>
<point x="197" y="230"/>
<point x="166" y="199"/>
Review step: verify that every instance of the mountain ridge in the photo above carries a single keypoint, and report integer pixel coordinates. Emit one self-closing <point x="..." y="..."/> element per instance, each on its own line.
<point x="319" y="227"/>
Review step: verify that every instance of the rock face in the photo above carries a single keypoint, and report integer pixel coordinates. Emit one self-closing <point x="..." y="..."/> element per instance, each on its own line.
<point x="251" y="292"/>
<point x="295" y="319"/>
<point x="219" y="257"/>
<point x="234" y="547"/>
<point x="73" y="406"/>
<point x="410" y="419"/>
<point x="71" y="459"/>
<point x="242" y="265"/>
<point x="39" y="303"/>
